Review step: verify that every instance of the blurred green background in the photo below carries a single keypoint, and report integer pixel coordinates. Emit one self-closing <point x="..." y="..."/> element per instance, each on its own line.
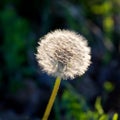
<point x="25" y="90"/>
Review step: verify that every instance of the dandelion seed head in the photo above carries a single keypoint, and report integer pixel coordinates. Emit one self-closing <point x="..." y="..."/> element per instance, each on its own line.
<point x="63" y="53"/>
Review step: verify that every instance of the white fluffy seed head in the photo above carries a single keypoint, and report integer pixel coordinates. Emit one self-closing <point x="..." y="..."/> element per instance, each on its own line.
<point x="63" y="53"/>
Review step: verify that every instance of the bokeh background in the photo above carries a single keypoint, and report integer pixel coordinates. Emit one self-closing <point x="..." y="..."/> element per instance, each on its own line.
<point x="25" y="89"/>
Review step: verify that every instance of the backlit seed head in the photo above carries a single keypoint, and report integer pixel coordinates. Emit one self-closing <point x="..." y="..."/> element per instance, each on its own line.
<point x="63" y="53"/>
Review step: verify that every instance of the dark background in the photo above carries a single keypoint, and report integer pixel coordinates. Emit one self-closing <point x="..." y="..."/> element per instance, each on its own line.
<point x="25" y="90"/>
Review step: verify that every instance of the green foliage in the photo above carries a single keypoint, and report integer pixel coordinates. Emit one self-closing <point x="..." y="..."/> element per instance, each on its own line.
<point x="73" y="107"/>
<point x="76" y="108"/>
<point x="15" y="34"/>
<point x="15" y="47"/>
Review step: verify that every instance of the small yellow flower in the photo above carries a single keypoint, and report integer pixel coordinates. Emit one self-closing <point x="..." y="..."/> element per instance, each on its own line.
<point x="63" y="53"/>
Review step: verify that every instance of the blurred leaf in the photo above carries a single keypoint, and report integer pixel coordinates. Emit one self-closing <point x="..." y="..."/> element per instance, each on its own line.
<point x="98" y="106"/>
<point x="108" y="86"/>
<point x="115" y="116"/>
<point x="104" y="117"/>
<point x="102" y="8"/>
<point x="108" y="24"/>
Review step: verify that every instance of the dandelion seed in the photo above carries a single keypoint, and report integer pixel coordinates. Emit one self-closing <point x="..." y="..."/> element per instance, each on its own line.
<point x="63" y="53"/>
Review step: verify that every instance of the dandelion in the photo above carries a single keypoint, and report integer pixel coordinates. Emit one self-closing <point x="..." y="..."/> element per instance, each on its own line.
<point x="63" y="54"/>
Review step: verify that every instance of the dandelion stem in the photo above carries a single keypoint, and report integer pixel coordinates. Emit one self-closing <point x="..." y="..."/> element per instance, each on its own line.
<point x="52" y="98"/>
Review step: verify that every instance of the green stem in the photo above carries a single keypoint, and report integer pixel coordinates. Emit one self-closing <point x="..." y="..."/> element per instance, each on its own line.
<point x="52" y="98"/>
